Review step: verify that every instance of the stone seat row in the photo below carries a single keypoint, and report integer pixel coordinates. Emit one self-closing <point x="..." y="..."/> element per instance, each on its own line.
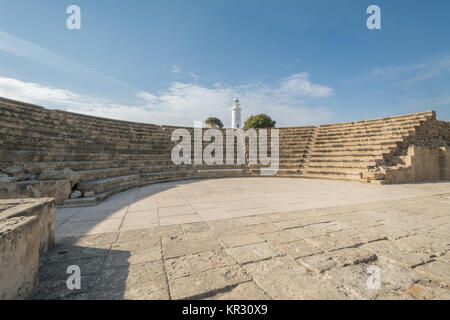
<point x="387" y="120"/>
<point x="75" y="130"/>
<point x="379" y="131"/>
<point x="21" y="110"/>
<point x="13" y="143"/>
<point x="408" y="122"/>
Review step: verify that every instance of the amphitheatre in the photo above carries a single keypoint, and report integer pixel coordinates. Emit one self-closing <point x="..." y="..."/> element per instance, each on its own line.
<point x="357" y="210"/>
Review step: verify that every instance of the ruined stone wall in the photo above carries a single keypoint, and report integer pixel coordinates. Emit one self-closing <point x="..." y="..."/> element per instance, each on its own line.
<point x="420" y="156"/>
<point x="421" y="163"/>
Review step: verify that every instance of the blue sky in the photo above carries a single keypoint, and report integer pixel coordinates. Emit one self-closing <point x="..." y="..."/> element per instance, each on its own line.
<point x="174" y="62"/>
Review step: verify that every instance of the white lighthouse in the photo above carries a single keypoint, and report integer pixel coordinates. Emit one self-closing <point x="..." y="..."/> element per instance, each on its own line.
<point x="236" y="115"/>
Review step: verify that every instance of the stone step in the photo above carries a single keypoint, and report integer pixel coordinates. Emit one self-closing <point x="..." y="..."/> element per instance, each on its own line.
<point x="363" y="149"/>
<point x="183" y="167"/>
<point x="36" y="130"/>
<point x="102" y="185"/>
<point x="56" y="137"/>
<point x="350" y="153"/>
<point x="294" y="139"/>
<point x="79" y="130"/>
<point x="348" y="160"/>
<point x="290" y="165"/>
<point x="216" y="173"/>
<point x="341" y="165"/>
<point x="297" y="151"/>
<point x="333" y="170"/>
<point x="292" y="157"/>
<point x="378" y="127"/>
<point x="388" y="142"/>
<point x="191" y="174"/>
<point x="287" y="166"/>
<point x="41" y="147"/>
<point x="110" y="192"/>
<point x="163" y="175"/>
<point x="356" y="158"/>
<point x="96" y="174"/>
<point x="295" y="165"/>
<point x="162" y="168"/>
<point x="331" y="176"/>
<point x="288" y="160"/>
<point x="49" y="148"/>
<point x="80" y="202"/>
<point x="362" y="137"/>
<point x="392" y="120"/>
<point x="355" y="133"/>
<point x="299" y="145"/>
<point x="39" y="113"/>
<point x="49" y="117"/>
<point x="22" y="136"/>
<point x="31" y="156"/>
<point x="294" y="135"/>
<point x="299" y="128"/>
<point x="37" y="167"/>
<point x="282" y="172"/>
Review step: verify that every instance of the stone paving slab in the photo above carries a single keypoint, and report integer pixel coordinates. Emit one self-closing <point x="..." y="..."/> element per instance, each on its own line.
<point x="253" y="253"/>
<point x="202" y="284"/>
<point x="312" y="252"/>
<point x="283" y="278"/>
<point x="195" y="263"/>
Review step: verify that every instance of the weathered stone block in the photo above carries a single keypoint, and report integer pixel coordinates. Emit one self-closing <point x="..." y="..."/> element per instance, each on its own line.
<point x="19" y="256"/>
<point x="60" y="190"/>
<point x="43" y="208"/>
<point x="66" y="174"/>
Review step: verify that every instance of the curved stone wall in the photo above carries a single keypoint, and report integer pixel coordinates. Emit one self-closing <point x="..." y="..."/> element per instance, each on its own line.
<point x="53" y="153"/>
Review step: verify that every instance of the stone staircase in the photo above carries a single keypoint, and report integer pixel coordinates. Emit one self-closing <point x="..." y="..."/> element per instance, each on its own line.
<point x="349" y="150"/>
<point x="294" y="146"/>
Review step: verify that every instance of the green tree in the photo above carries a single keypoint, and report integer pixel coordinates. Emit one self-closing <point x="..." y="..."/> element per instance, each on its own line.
<point x="259" y="121"/>
<point x="214" y="122"/>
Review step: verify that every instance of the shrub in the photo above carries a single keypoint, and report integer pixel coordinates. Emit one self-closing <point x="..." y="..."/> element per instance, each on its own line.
<point x="214" y="122"/>
<point x="259" y="121"/>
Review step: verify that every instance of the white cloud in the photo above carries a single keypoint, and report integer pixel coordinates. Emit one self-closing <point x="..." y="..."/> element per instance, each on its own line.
<point x="413" y="73"/>
<point x="183" y="103"/>
<point x="176" y="69"/>
<point x="194" y="75"/>
<point x="28" y="91"/>
<point x="300" y="85"/>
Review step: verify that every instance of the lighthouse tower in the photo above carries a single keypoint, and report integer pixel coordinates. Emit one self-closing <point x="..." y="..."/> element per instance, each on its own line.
<point x="236" y="115"/>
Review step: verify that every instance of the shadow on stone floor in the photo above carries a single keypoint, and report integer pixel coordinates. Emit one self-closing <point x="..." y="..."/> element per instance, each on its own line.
<point x="78" y="221"/>
<point x="103" y="272"/>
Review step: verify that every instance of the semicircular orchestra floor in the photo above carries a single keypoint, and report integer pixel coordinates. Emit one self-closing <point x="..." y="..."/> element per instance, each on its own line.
<point x="255" y="238"/>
